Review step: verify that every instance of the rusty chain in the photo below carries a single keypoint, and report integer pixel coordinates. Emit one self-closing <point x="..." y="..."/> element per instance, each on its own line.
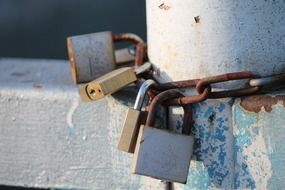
<point x="269" y="81"/>
<point x="205" y="91"/>
<point x="167" y="96"/>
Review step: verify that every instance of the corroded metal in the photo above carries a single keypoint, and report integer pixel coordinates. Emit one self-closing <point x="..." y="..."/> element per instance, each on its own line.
<point x="223" y="78"/>
<point x="187" y="119"/>
<point x="140" y="54"/>
<point x="190" y="99"/>
<point x="257" y="102"/>
<point x="140" y="45"/>
<point x="167" y="95"/>
<point x="159" y="99"/>
<point x="176" y="84"/>
<point x="128" y="37"/>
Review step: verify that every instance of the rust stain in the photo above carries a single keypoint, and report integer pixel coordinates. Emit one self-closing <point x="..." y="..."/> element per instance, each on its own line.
<point x="72" y="61"/>
<point x="38" y="86"/>
<point x="164" y="7"/>
<point x="256" y="102"/>
<point x="197" y="19"/>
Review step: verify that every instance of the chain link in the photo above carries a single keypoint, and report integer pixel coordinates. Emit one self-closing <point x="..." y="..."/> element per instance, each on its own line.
<point x="204" y="87"/>
<point x="268" y="81"/>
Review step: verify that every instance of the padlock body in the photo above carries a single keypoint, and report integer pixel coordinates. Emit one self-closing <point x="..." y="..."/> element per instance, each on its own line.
<point x="108" y="84"/>
<point x="134" y="119"/>
<point x="91" y="56"/>
<point x="162" y="154"/>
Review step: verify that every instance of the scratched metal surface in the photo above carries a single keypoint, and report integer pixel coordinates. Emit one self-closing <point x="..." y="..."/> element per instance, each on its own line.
<point x="50" y="139"/>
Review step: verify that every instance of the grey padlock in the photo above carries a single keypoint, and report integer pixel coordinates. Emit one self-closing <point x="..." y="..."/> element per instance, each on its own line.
<point x="162" y="154"/>
<point x="93" y="55"/>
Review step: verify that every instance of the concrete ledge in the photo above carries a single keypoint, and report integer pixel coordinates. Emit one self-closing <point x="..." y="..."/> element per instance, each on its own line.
<point x="50" y="139"/>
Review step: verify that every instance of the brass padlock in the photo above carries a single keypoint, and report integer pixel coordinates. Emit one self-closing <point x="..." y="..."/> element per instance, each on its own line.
<point x="93" y="55"/>
<point x="162" y="154"/>
<point x="134" y="118"/>
<point x="111" y="82"/>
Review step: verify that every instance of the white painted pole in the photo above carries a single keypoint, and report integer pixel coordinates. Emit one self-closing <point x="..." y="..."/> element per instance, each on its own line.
<point x="190" y="39"/>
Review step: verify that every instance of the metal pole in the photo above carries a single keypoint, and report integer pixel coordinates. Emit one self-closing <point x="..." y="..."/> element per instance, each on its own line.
<point x="190" y="39"/>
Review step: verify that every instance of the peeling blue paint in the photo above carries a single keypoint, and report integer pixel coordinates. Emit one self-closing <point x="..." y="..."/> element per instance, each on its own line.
<point x="198" y="178"/>
<point x="221" y="147"/>
<point x="222" y="154"/>
<point x="243" y="122"/>
<point x="208" y="113"/>
<point x="221" y="107"/>
<point x="211" y="144"/>
<point x="220" y="134"/>
<point x="274" y="138"/>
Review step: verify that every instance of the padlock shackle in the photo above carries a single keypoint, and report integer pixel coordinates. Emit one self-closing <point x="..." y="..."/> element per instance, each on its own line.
<point x="161" y="97"/>
<point x="187" y="119"/>
<point x="128" y="37"/>
<point x="167" y="95"/>
<point x="142" y="92"/>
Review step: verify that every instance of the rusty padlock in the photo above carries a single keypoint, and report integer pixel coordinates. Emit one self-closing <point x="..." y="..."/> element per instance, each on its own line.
<point x="93" y="55"/>
<point x="162" y="154"/>
<point x="111" y="82"/>
<point x="134" y="118"/>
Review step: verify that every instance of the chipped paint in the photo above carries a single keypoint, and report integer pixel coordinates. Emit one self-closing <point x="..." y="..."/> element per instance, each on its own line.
<point x="257" y="102"/>
<point x="273" y="136"/>
<point x="213" y="146"/>
<point x="236" y="149"/>
<point x="163" y="6"/>
<point x="259" y="147"/>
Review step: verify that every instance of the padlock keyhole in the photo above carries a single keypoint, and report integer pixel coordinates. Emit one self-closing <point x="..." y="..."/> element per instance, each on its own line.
<point x="92" y="92"/>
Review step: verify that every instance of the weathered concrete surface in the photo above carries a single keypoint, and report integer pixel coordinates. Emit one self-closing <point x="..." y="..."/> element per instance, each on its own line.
<point x="236" y="148"/>
<point x="49" y="138"/>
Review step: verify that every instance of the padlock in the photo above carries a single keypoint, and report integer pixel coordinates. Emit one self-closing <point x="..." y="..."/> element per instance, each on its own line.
<point x="93" y="55"/>
<point x="162" y="154"/>
<point x="111" y="82"/>
<point x="134" y="118"/>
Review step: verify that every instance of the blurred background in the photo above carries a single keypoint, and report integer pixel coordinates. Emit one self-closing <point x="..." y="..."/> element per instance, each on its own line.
<point x="38" y="28"/>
